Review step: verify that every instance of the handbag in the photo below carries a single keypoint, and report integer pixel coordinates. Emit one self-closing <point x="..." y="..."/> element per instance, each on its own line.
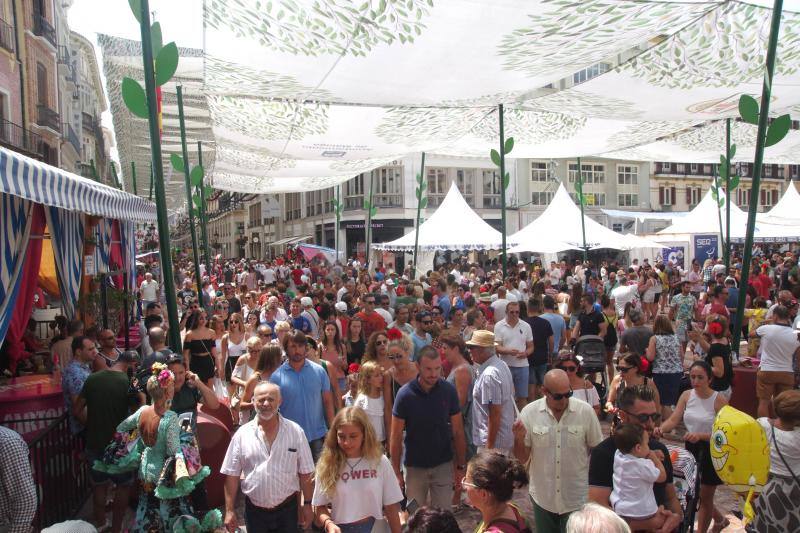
<point x="780" y="454"/>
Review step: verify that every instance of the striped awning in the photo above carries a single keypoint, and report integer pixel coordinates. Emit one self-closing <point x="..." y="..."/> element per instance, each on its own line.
<point x="39" y="182"/>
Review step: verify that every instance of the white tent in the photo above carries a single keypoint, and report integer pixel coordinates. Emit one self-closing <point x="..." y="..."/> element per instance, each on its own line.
<point x="453" y="226"/>
<point x="561" y="223"/>
<point x="704" y="218"/>
<point x="632" y="242"/>
<point x="786" y="212"/>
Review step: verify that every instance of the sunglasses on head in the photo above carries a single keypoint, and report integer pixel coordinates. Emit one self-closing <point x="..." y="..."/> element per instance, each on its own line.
<point x="644" y="417"/>
<point x="560" y="396"/>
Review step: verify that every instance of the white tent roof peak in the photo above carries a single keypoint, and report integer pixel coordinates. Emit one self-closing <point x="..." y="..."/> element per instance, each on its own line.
<point x="704" y="218"/>
<point x="788" y="206"/>
<point x="453" y="226"/>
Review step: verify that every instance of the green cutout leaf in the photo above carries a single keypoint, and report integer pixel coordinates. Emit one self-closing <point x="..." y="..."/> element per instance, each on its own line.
<point x="156" y="39"/>
<point x="748" y="109"/>
<point x="196" y="176"/>
<point x="506" y="180"/>
<point x="733" y="151"/>
<point x="177" y="162"/>
<point x="166" y="63"/>
<point x="733" y="183"/>
<point x="509" y="145"/>
<point x="418" y="193"/>
<point x="366" y="205"/>
<point x="419" y="178"/>
<point x="134" y="97"/>
<point x="721" y="202"/>
<point x="423" y="203"/>
<point x="197" y="201"/>
<point x="209" y="190"/>
<point x="778" y="130"/>
<point x="373" y="212"/>
<point x="714" y="194"/>
<point x="136" y="9"/>
<point x="495" y="156"/>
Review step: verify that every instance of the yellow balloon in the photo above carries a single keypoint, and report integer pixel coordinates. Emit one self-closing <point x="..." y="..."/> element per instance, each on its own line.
<point x="739" y="451"/>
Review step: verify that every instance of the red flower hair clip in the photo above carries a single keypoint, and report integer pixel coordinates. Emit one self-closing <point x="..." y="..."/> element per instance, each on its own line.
<point x="353" y="368"/>
<point x="715" y="328"/>
<point x="394" y="334"/>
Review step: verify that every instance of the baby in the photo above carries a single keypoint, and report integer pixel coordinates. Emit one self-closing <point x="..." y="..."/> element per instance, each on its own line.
<point x="636" y="468"/>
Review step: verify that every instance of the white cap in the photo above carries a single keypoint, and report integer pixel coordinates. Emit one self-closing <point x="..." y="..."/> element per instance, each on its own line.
<point x="390" y="282"/>
<point x="341" y="307"/>
<point x="305" y="301"/>
<point x="304" y="278"/>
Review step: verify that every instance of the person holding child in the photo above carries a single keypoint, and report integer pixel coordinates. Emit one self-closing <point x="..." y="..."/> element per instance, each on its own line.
<point x="636" y="469"/>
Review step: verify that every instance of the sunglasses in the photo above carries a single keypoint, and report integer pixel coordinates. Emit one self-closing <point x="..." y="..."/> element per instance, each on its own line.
<point x="644" y="417"/>
<point x="570" y="368"/>
<point x="623" y="368"/>
<point x="394" y="357"/>
<point x="235" y="322"/>
<point x="560" y="396"/>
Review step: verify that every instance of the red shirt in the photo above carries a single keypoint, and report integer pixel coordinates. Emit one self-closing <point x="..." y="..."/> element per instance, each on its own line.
<point x="372" y="322"/>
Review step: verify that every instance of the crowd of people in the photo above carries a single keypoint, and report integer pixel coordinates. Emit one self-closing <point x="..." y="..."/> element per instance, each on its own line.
<point x="371" y="398"/>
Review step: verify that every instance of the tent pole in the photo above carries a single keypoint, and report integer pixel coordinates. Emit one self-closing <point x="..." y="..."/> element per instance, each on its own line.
<point x="503" y="190"/>
<point x="150" y="194"/>
<point x="763" y="119"/>
<point x="727" y="242"/>
<point x="190" y="202"/>
<point x="579" y="183"/>
<point x="133" y="177"/>
<point x="203" y="214"/>
<point x="157" y="179"/>
<point x="722" y="236"/>
<point x="420" y="192"/>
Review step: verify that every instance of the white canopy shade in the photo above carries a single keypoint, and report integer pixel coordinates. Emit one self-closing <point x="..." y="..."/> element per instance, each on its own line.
<point x="561" y="223"/>
<point x="635" y="241"/>
<point x="453" y="226"/>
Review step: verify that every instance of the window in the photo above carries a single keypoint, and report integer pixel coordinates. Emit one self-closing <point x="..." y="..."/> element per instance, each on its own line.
<point x="769" y="197"/>
<point x="491" y="188"/>
<point x="707" y="170"/>
<point x="742" y="197"/>
<point x="293" y="211"/>
<point x="437" y="186"/>
<point x="388" y="183"/>
<point x="680" y="168"/>
<point x="693" y="196"/>
<point x="794" y="171"/>
<point x="354" y="193"/>
<point x="628" y="200"/>
<point x="627" y="175"/>
<point x="666" y="196"/>
<point x="465" y="181"/>
<point x="667" y="166"/>
<point x="592" y="198"/>
<point x="590" y="72"/>
<point x="616" y="227"/>
<point x="538" y="171"/>
<point x="589" y="172"/>
<point x="541" y="198"/>
<point x="767" y="171"/>
<point x="41" y="84"/>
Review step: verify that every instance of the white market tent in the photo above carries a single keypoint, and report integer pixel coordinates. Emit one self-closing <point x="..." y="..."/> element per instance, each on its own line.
<point x="786" y="212"/>
<point x="453" y="226"/>
<point x="561" y="223"/>
<point x="704" y="218"/>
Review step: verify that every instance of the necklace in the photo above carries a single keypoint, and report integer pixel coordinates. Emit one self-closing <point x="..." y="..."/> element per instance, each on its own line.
<point x="351" y="467"/>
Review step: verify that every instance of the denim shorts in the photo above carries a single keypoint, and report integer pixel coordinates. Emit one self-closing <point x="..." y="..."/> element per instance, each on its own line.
<point x="520" y="376"/>
<point x="536" y="374"/>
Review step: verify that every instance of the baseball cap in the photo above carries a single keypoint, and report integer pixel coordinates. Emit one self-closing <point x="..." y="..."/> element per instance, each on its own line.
<point x="305" y="301"/>
<point x="341" y="307"/>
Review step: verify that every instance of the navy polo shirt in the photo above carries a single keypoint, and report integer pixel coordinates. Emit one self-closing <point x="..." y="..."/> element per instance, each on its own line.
<point x="429" y="436"/>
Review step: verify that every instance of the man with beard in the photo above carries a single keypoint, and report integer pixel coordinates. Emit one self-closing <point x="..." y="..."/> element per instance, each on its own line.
<point x="273" y="454"/>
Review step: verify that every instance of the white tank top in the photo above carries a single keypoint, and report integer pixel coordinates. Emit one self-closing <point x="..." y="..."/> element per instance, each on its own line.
<point x="699" y="414"/>
<point x="235" y="350"/>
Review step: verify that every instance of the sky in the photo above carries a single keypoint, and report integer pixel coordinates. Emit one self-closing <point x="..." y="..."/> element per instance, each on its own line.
<point x="181" y="21"/>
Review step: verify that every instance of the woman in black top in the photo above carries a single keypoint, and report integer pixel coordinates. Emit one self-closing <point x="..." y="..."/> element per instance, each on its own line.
<point x="718" y="355"/>
<point x="354" y="341"/>
<point x="199" y="348"/>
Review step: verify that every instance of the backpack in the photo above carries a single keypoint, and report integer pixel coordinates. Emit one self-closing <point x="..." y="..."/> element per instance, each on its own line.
<point x="505" y="525"/>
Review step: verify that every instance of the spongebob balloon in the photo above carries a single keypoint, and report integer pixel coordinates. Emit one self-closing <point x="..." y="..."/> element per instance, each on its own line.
<point x="740" y="454"/>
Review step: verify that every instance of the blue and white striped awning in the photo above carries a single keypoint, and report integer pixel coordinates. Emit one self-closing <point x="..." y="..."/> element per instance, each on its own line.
<point x="41" y="183"/>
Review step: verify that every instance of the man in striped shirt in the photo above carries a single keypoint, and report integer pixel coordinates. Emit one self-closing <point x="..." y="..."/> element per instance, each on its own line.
<point x="274" y="456"/>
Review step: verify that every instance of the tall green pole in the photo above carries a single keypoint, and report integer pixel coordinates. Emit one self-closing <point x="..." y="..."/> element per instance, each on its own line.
<point x="581" y="198"/>
<point x="503" y="190"/>
<point x="189" y="200"/>
<point x="150" y="194"/>
<point x="722" y="236"/>
<point x="158" y="180"/>
<point x="420" y="196"/>
<point x="727" y="242"/>
<point x="203" y="215"/>
<point x="368" y="227"/>
<point x="133" y="177"/>
<point x="763" y="119"/>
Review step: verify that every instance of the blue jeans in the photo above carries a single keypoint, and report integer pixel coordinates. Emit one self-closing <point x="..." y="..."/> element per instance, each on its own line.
<point x="536" y="374"/>
<point x="283" y="519"/>
<point x="361" y="527"/>
<point x="520" y="376"/>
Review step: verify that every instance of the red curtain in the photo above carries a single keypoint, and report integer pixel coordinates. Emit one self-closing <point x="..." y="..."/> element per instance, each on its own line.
<point x="28" y="283"/>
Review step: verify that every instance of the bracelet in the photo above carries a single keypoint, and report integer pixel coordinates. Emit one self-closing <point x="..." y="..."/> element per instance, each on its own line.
<point x="325" y="524"/>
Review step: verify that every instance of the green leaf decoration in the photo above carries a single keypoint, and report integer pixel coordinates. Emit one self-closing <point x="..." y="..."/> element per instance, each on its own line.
<point x="509" y="145"/>
<point x="196" y="176"/>
<point x="733" y="184"/>
<point x="748" y="109"/>
<point x="373" y="211"/>
<point x="578" y="185"/>
<point x="714" y="194"/>
<point x="134" y="97"/>
<point x="136" y="8"/>
<point x="156" y="39"/>
<point x="778" y="130"/>
<point x="495" y="157"/>
<point x="419" y="179"/>
<point x="423" y="203"/>
<point x="197" y="201"/>
<point x="723" y="167"/>
<point x="177" y="162"/>
<point x="209" y="190"/>
<point x="733" y="151"/>
<point x="166" y="63"/>
<point x="506" y="181"/>
<point x="366" y="205"/>
<point x="721" y="202"/>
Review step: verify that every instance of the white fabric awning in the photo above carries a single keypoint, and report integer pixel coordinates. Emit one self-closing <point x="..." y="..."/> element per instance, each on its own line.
<point x="641" y="216"/>
<point x="453" y="226"/>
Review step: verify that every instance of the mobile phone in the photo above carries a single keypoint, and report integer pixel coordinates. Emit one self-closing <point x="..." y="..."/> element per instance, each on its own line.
<point x="412" y="506"/>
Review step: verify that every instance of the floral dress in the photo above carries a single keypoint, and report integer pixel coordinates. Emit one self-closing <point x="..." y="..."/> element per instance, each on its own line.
<point x="164" y="451"/>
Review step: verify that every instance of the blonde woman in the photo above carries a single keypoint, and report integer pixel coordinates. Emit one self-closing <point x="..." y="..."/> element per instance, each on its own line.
<point x="245" y="367"/>
<point x="355" y="484"/>
<point x="370" y="397"/>
<point x="376" y="349"/>
<point x="234" y="344"/>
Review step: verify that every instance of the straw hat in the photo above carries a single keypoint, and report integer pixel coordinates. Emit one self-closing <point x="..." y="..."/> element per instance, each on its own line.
<point x="483" y="338"/>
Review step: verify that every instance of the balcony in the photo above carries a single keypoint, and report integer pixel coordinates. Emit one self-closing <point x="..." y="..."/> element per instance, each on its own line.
<point x="15" y="137"/>
<point x="43" y="28"/>
<point x="7" y="36"/>
<point x="47" y="117"/>
<point x="64" y="56"/>
<point x="88" y="122"/>
<point x="85" y="170"/>
<point x="72" y="137"/>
